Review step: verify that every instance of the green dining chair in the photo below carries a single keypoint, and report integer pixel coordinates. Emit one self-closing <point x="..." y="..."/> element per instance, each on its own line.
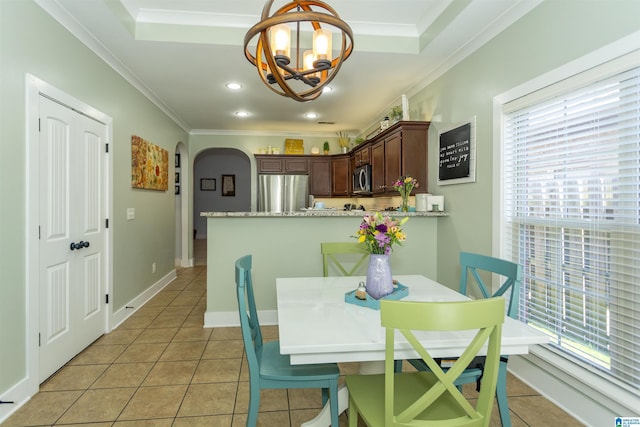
<point x="268" y="369"/>
<point x="473" y="266"/>
<point x="345" y="257"/>
<point x="430" y="398"/>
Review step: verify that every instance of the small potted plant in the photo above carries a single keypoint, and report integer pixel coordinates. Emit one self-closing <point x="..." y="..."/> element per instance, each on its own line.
<point x="344" y="139"/>
<point x="325" y="147"/>
<point x="396" y="114"/>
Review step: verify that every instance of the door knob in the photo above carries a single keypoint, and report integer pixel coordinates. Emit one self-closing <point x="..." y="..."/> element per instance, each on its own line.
<point x="79" y="245"/>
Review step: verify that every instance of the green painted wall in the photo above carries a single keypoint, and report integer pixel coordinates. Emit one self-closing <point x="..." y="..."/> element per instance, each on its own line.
<point x="32" y="42"/>
<point x="290" y="247"/>
<point x="554" y="33"/>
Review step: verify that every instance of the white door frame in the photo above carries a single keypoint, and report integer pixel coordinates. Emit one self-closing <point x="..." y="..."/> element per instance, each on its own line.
<point x="183" y="237"/>
<point x="34" y="88"/>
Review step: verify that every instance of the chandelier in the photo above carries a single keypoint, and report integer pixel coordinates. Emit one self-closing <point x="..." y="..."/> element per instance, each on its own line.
<point x="303" y="76"/>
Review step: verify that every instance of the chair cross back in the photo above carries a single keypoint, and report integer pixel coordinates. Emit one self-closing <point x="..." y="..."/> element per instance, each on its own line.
<point x="431" y="397"/>
<point x="330" y="250"/>
<point x="473" y="264"/>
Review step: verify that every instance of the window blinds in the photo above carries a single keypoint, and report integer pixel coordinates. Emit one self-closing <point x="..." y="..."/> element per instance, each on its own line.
<point x="571" y="217"/>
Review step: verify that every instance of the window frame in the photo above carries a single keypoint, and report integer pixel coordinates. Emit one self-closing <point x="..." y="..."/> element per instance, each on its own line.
<point x="623" y="50"/>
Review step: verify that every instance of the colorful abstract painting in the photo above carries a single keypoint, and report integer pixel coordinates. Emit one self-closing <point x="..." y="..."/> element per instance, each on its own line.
<point x="149" y="165"/>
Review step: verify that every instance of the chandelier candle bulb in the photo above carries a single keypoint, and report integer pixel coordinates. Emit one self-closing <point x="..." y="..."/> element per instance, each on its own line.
<point x="280" y="41"/>
<point x="307" y="60"/>
<point x="322" y="47"/>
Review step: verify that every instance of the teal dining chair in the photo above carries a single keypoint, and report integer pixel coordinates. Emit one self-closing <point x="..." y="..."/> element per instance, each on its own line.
<point x="268" y="369"/>
<point x="430" y="398"/>
<point x="473" y="266"/>
<point x="345" y="257"/>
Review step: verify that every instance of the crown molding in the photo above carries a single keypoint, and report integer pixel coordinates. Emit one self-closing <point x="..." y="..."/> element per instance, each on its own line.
<point x="60" y="14"/>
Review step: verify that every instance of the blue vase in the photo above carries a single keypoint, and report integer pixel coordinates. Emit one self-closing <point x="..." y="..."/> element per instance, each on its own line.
<point x="379" y="281"/>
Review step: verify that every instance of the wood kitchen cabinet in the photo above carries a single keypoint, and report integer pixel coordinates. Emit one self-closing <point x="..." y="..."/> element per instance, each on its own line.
<point x="320" y="176"/>
<point x="270" y="164"/>
<point x="377" y="167"/>
<point x="362" y="156"/>
<point x="386" y="161"/>
<point x="392" y="161"/>
<point x="340" y="182"/>
<point x="400" y="150"/>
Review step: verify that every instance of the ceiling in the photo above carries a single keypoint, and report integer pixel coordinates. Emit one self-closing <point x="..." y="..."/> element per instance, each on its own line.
<point x="182" y="53"/>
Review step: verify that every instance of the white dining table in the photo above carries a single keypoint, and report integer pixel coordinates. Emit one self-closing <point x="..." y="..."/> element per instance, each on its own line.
<point x="316" y="325"/>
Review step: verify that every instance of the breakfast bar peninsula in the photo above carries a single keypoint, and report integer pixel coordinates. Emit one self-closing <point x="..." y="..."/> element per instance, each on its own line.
<point x="287" y="244"/>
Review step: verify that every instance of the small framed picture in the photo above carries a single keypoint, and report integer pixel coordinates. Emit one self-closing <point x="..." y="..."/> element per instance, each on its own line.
<point x="207" y="184"/>
<point x="228" y="185"/>
<point x="177" y="177"/>
<point x="177" y="189"/>
<point x="177" y="160"/>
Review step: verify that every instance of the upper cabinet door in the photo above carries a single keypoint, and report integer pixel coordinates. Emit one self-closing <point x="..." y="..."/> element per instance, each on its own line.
<point x="320" y="176"/>
<point x="340" y="183"/>
<point x="392" y="161"/>
<point x="377" y="168"/>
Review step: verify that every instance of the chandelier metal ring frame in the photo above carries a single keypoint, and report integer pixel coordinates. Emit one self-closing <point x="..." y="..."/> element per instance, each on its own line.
<point x="271" y="71"/>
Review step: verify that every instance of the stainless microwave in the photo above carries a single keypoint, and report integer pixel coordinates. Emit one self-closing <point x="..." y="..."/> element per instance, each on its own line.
<point x="362" y="180"/>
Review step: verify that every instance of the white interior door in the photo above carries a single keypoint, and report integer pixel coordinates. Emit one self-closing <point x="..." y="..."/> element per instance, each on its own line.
<point x="72" y="234"/>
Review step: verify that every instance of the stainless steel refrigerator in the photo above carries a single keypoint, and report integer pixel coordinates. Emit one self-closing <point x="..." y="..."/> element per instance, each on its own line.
<point x="282" y="193"/>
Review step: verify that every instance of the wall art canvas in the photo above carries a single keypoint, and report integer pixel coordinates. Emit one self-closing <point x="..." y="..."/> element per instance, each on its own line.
<point x="149" y="165"/>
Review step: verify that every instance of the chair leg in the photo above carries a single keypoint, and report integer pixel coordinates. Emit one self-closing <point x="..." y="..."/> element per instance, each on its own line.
<point x="333" y="403"/>
<point x="254" y="405"/>
<point x="501" y="395"/>
<point x="353" y="414"/>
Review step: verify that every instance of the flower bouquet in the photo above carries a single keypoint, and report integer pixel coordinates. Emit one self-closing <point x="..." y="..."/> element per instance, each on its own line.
<point x="405" y="185"/>
<point x="380" y="233"/>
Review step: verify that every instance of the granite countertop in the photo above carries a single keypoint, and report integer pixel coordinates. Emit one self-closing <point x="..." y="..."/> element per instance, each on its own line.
<point x="318" y="213"/>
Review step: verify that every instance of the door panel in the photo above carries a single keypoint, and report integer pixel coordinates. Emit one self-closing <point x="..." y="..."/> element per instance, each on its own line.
<point x="57" y="288"/>
<point x="72" y="282"/>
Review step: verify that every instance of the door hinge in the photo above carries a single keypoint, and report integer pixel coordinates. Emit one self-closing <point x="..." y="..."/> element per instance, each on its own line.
<point x="106" y="223"/>
<point x="39" y="236"/>
<point x="38" y="124"/>
<point x="106" y="299"/>
<point x="106" y="147"/>
<point x="39" y="342"/>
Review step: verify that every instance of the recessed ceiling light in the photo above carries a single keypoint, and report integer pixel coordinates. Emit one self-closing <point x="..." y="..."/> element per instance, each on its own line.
<point x="327" y="89"/>
<point x="242" y="114"/>
<point x="311" y="115"/>
<point x="234" y="86"/>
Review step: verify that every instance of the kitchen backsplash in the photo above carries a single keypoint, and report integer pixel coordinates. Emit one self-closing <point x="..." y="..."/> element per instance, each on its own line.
<point x="369" y="203"/>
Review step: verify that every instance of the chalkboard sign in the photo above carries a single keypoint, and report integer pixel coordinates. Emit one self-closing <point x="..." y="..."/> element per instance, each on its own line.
<point x="456" y="162"/>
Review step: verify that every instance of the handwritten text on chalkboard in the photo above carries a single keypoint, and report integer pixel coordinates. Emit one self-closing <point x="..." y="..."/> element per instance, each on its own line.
<point x="455" y="153"/>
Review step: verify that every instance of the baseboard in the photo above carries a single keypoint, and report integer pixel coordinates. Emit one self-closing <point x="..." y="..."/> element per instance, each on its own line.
<point x="124" y="313"/>
<point x="221" y="319"/>
<point x="183" y="262"/>
<point x="584" y="395"/>
<point x="19" y="394"/>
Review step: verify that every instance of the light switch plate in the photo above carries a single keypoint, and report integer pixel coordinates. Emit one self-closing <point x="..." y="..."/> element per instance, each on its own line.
<point x="131" y="213"/>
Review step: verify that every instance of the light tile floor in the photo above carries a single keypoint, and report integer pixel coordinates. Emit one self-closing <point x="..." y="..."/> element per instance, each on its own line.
<point x="162" y="368"/>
